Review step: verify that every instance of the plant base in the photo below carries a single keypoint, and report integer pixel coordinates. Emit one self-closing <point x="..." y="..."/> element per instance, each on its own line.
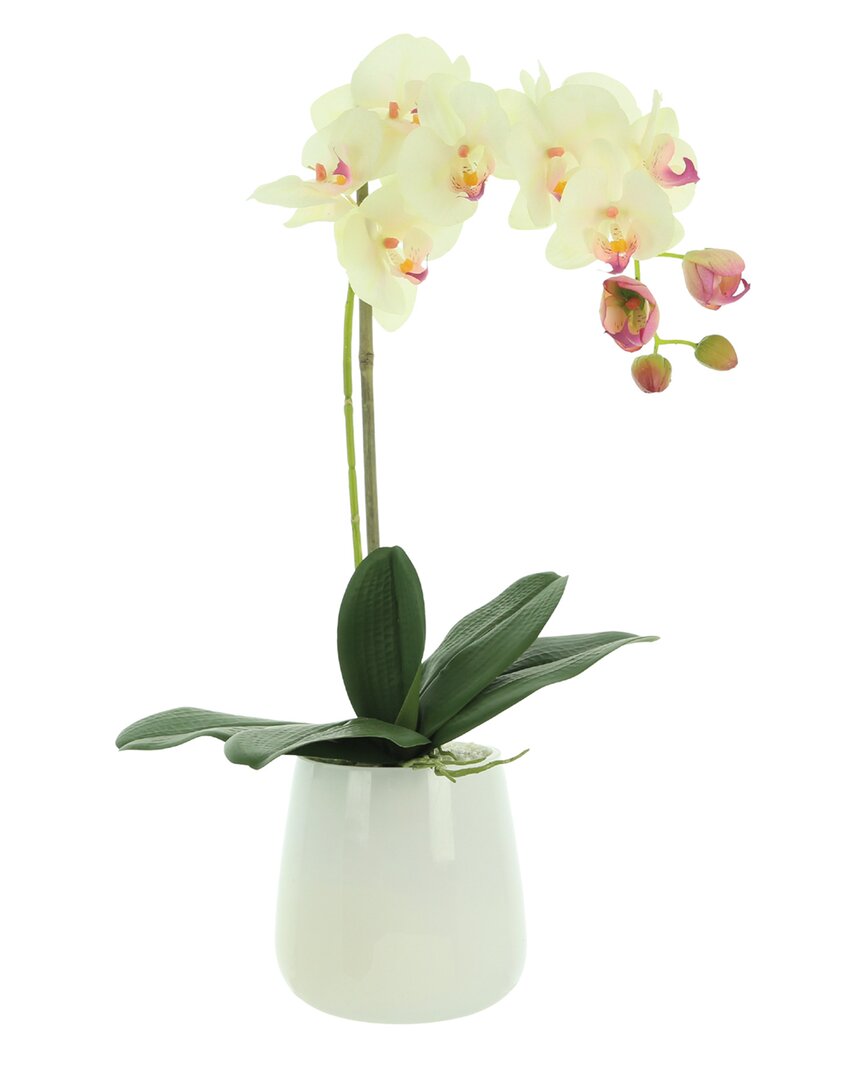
<point x="400" y="899"/>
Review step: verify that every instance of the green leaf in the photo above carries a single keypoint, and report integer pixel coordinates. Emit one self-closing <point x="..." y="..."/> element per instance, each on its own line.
<point x="257" y="747"/>
<point x="547" y="649"/>
<point x="409" y="714"/>
<point x="482" y="620"/>
<point x="580" y="651"/>
<point x="176" y="726"/>
<point x="484" y="647"/>
<point x="381" y="633"/>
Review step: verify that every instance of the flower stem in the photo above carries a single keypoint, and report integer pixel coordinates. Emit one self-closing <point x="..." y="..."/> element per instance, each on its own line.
<point x="674" y="341"/>
<point x="347" y="389"/>
<point x="367" y="398"/>
<point x="637" y="270"/>
<point x="669" y="255"/>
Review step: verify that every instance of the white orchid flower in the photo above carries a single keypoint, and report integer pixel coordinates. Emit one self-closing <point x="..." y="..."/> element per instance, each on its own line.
<point x="547" y="145"/>
<point x="445" y="162"/>
<point x="384" y="247"/>
<point x="344" y="156"/>
<point x="611" y="212"/>
<point x="388" y="82"/>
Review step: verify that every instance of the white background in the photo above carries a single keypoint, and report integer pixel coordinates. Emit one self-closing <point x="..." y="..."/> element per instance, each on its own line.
<point x="175" y="532"/>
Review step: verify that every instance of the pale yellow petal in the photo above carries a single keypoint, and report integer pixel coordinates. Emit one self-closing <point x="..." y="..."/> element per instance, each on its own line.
<point x="572" y="243"/>
<point x="330" y="106"/>
<point x="356" y="138"/>
<point x="578" y="115"/>
<point x="436" y="109"/>
<point x="519" y="217"/>
<point x="618" y="90"/>
<point x="483" y="119"/>
<point x="291" y="191"/>
<point x="368" y="270"/>
<point x="389" y="70"/>
<point x="388" y="320"/>
<point x="329" y="211"/>
<point x="649" y="213"/>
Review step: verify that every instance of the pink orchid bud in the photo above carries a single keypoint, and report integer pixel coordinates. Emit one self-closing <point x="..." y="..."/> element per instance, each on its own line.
<point x="651" y="372"/>
<point x="712" y="276"/>
<point x="716" y="352"/>
<point x="628" y="312"/>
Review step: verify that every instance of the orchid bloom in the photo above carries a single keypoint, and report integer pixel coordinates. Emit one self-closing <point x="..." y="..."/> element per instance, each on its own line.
<point x="344" y="156"/>
<point x="713" y="275"/>
<point x="445" y="162"/>
<point x="628" y="312"/>
<point x="384" y="248"/>
<point x="611" y="213"/>
<point x="550" y="137"/>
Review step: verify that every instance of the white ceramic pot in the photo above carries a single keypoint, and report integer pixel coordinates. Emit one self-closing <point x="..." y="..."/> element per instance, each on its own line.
<point x="400" y="899"/>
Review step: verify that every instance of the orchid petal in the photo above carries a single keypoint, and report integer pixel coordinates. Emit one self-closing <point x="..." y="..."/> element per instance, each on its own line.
<point x="330" y="106"/>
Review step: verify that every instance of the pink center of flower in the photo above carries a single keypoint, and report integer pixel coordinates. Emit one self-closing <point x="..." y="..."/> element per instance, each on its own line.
<point x="611" y="245"/>
<point x="393" y="110"/>
<point x="555" y="151"/>
<point x="406" y="261"/>
<point x="340" y="176"/>
<point x="468" y="177"/>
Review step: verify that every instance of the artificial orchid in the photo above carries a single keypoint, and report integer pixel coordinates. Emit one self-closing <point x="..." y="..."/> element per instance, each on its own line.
<point x="399" y="161"/>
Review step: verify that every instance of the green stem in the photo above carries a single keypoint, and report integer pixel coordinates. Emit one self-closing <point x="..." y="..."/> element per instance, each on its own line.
<point x="669" y="255"/>
<point x="674" y="341"/>
<point x="637" y="270"/>
<point x="367" y="399"/>
<point x="347" y="389"/>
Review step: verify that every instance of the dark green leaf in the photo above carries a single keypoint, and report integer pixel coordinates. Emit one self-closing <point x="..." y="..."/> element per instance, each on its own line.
<point x="176" y="726"/>
<point x="482" y="620"/>
<point x="487" y="651"/>
<point x="409" y="714"/>
<point x="520" y="681"/>
<point x="381" y="633"/>
<point x="547" y="649"/>
<point x="258" y="747"/>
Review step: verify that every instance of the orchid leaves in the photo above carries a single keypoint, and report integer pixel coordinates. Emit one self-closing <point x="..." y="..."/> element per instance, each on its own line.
<point x="406" y="707"/>
<point x="253" y="742"/>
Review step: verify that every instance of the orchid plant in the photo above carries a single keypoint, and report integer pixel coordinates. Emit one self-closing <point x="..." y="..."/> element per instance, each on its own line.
<point x="400" y="160"/>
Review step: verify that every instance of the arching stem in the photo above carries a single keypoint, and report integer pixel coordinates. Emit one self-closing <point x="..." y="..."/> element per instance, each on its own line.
<point x="347" y="389"/>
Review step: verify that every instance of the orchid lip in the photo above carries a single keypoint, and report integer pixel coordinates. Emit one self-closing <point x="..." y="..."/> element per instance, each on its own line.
<point x="418" y="277"/>
<point x="667" y="177"/>
<point x="343" y="170"/>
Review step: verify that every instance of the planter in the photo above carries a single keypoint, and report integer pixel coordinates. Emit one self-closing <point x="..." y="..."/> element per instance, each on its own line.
<point x="400" y="899"/>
